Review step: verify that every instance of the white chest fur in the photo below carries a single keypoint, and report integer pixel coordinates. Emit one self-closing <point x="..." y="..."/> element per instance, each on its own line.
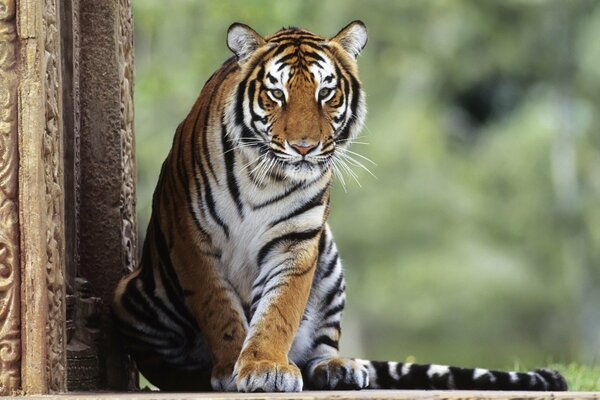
<point x="263" y="220"/>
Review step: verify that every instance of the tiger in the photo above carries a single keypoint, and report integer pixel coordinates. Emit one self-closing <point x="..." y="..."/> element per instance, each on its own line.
<point x="240" y="285"/>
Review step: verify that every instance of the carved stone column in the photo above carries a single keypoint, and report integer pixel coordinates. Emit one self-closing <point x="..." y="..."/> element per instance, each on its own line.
<point x="10" y="316"/>
<point x="107" y="209"/>
<point x="41" y="189"/>
<point x="66" y="138"/>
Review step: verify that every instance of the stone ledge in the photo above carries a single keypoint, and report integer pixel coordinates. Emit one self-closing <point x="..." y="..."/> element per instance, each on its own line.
<point x="337" y="395"/>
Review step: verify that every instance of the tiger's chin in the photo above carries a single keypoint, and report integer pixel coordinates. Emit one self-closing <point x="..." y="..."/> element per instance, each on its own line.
<point x="303" y="171"/>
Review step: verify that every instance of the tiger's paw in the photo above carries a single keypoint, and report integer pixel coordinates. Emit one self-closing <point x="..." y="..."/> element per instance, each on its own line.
<point x="267" y="376"/>
<point x="222" y="378"/>
<point x="337" y="374"/>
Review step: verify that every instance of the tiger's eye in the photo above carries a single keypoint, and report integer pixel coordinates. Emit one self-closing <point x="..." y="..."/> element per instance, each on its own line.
<point x="324" y="92"/>
<point x="278" y="94"/>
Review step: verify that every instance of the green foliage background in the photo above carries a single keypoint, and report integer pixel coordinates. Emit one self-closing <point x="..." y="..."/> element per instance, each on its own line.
<point x="479" y="241"/>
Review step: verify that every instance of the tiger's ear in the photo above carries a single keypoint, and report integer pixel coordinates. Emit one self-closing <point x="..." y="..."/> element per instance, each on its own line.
<point x="352" y="38"/>
<point x="243" y="40"/>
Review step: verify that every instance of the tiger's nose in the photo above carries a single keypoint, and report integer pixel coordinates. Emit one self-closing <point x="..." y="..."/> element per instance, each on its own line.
<point x="303" y="147"/>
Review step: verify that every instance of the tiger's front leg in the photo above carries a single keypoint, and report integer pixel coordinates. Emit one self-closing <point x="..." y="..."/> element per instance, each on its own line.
<point x="281" y="293"/>
<point x="317" y="344"/>
<point x="216" y="307"/>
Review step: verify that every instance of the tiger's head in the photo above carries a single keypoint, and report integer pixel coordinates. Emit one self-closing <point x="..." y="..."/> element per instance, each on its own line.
<point x="299" y="101"/>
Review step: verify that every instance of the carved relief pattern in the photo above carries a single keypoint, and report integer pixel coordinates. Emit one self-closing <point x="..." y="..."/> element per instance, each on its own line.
<point x="10" y="346"/>
<point x="76" y="125"/>
<point x="127" y="139"/>
<point x="53" y="171"/>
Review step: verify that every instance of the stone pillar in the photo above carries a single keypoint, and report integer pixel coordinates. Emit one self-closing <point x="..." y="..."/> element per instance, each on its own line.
<point x="107" y="214"/>
<point x="10" y="314"/>
<point x="67" y="190"/>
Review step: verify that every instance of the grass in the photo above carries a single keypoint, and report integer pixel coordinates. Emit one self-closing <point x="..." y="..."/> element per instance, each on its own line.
<point x="580" y="378"/>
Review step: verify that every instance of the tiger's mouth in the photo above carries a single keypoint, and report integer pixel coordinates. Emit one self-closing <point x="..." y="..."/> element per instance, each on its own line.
<point x="264" y="159"/>
<point x="310" y="161"/>
<point x="298" y="168"/>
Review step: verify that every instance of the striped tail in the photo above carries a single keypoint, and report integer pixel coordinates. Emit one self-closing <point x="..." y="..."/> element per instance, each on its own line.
<point x="393" y="375"/>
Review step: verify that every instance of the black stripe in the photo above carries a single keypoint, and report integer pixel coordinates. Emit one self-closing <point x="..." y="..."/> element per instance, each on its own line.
<point x="502" y="380"/>
<point x="314" y="55"/>
<point x="331" y="266"/>
<point x="322" y="243"/>
<point x="353" y="107"/>
<point x="208" y="199"/>
<point x="271" y="78"/>
<point x="194" y="163"/>
<point x="335" y="310"/>
<point x="260" y="283"/>
<point x="179" y="311"/>
<point x="463" y="378"/>
<point x="334" y="290"/>
<point x="229" y="167"/>
<point x="293" y="236"/>
<point x="416" y="378"/>
<point x="280" y="49"/>
<point x="315" y="201"/>
<point x="278" y="197"/>
<point x="384" y="379"/>
<point x="484" y="382"/>
<point x="283" y="59"/>
<point x="205" y="133"/>
<point x="239" y="106"/>
<point x="271" y="289"/>
<point x="317" y="46"/>
<point x="332" y="324"/>
<point x="227" y="69"/>
<point x="150" y="310"/>
<point x="135" y="304"/>
<point x="174" y="291"/>
<point x="326" y="340"/>
<point x="441" y="381"/>
<point x="554" y="379"/>
<point x="137" y="333"/>
<point x="180" y="166"/>
<point x="252" y="86"/>
<point x="184" y="180"/>
<point x="296" y="38"/>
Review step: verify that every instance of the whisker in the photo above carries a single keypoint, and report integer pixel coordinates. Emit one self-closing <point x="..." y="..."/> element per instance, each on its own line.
<point x="356" y="142"/>
<point x="245" y="166"/>
<point x="338" y="174"/>
<point x="359" y="155"/>
<point x="356" y="163"/>
<point x="351" y="139"/>
<point x="349" y="171"/>
<point x="263" y="165"/>
<point x="262" y="161"/>
<point x="264" y="171"/>
<point x="240" y="146"/>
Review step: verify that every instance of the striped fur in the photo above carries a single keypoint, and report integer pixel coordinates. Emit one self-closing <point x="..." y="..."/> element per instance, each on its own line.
<point x="240" y="285"/>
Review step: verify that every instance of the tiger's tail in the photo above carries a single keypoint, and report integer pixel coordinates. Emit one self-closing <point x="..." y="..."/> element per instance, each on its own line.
<point x="395" y="375"/>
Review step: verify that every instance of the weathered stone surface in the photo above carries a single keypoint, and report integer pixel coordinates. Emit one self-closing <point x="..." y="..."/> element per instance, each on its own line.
<point x="83" y="315"/>
<point x="32" y="196"/>
<point x="10" y="344"/>
<point x="53" y="159"/>
<point x="45" y="249"/>
<point x="107" y="223"/>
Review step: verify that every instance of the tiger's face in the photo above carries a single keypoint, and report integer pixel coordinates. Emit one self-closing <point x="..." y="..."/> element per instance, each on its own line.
<point x="299" y="102"/>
